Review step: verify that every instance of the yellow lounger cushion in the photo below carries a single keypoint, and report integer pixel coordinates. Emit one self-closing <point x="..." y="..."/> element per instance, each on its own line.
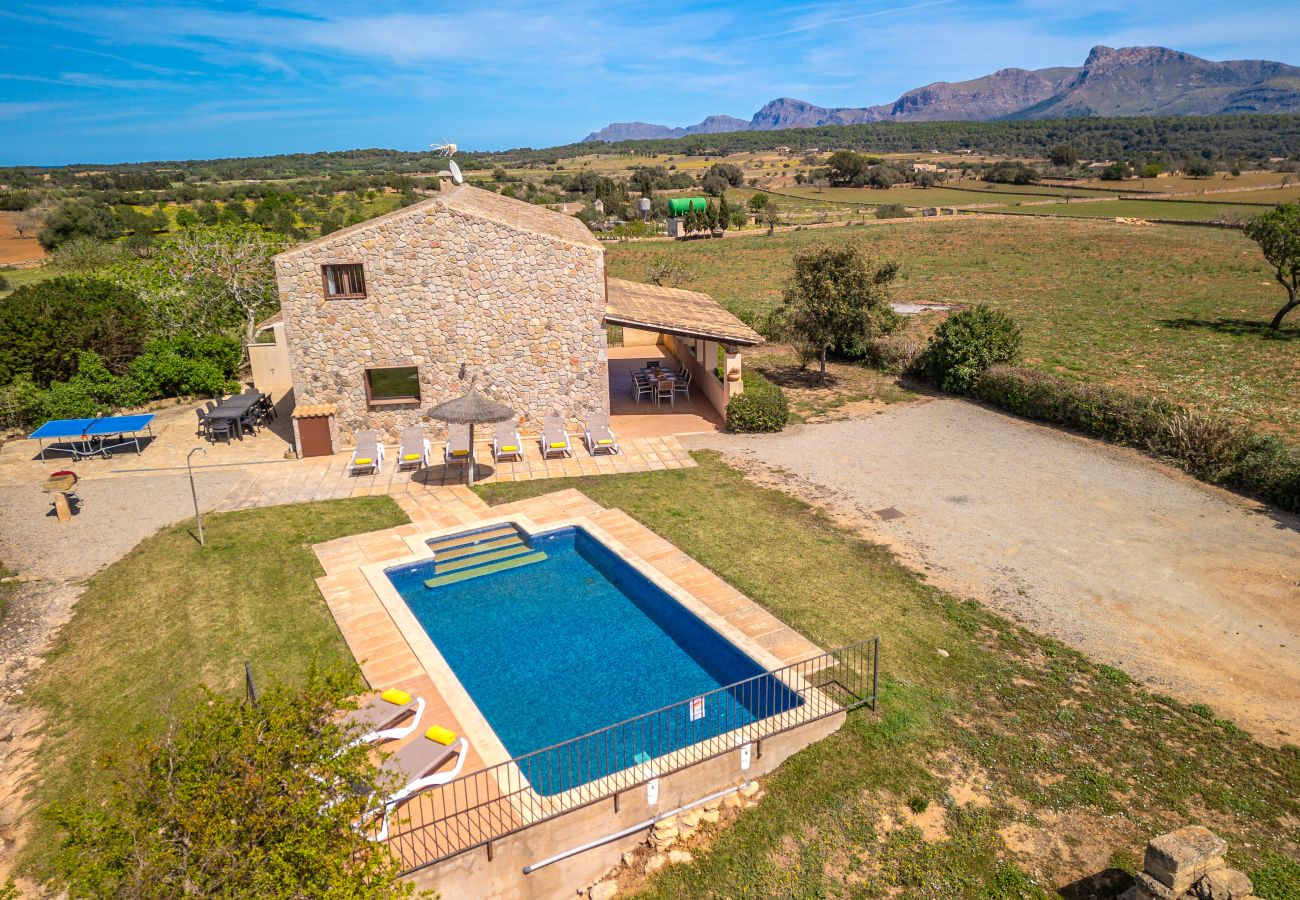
<point x="362" y="461"/>
<point x="441" y="735"/>
<point x="605" y="441"/>
<point x="393" y="695"/>
<point x="460" y="453"/>
<point x="509" y="448"/>
<point x="559" y="445"/>
<point x="410" y="456"/>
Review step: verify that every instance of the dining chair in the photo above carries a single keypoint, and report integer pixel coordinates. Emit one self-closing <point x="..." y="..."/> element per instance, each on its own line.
<point x="641" y="387"/>
<point x="682" y="385"/>
<point x="664" y="389"/>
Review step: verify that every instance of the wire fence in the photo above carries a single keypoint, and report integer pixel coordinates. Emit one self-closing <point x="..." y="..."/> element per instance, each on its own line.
<point x="482" y="806"/>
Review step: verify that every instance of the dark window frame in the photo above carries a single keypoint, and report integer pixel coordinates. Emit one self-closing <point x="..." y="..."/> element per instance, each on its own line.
<point x="360" y="273"/>
<point x="372" y="400"/>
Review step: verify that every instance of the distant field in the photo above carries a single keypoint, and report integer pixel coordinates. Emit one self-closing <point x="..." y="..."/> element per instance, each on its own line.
<point x="1182" y="183"/>
<point x="907" y="196"/>
<point x="1181" y="210"/>
<point x="15" y="249"/>
<point x="1276" y="195"/>
<point x="1178" y="312"/>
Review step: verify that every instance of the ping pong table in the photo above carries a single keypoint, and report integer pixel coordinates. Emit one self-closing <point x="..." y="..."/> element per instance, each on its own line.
<point x="85" y="438"/>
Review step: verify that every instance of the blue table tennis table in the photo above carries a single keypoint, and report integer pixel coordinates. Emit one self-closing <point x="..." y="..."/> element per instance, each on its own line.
<point x="85" y="438"/>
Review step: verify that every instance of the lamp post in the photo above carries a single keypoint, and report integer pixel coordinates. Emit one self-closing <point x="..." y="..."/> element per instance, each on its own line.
<point x="198" y="519"/>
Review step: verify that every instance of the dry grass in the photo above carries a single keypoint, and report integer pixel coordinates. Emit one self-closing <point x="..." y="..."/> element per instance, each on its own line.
<point x="1171" y="311"/>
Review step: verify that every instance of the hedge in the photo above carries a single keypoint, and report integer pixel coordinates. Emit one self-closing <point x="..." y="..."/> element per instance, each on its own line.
<point x="1211" y="448"/>
<point x="761" y="408"/>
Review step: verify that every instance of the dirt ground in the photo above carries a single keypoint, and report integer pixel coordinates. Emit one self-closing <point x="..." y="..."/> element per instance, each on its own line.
<point x="1191" y="589"/>
<point x="15" y="250"/>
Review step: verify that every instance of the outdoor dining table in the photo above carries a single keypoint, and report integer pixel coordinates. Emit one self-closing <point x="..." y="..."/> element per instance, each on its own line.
<point x="233" y="409"/>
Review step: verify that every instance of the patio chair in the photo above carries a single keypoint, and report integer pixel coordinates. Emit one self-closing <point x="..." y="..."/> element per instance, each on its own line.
<point x="682" y="385"/>
<point x="641" y="387"/>
<point x="458" y="448"/>
<point x="203" y="422"/>
<point x="219" y="428"/>
<point x="416" y="766"/>
<point x="369" y="455"/>
<point x="598" y="436"/>
<point x="414" y="450"/>
<point x="555" y="440"/>
<point x="507" y="444"/>
<point x="377" y="720"/>
<point x="664" y="391"/>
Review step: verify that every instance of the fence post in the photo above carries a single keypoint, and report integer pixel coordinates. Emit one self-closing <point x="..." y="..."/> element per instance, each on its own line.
<point x="250" y="687"/>
<point x="875" y="670"/>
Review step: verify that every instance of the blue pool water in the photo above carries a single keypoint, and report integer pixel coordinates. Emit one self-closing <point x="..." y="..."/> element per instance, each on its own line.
<point x="579" y="642"/>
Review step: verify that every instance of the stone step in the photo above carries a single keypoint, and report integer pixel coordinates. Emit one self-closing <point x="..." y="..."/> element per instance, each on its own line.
<point x="513" y="562"/>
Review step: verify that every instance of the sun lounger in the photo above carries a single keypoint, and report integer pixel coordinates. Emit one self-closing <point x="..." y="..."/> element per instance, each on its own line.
<point x="416" y="767"/>
<point x="414" y="452"/>
<point x="507" y="444"/>
<point x="377" y="720"/>
<point x="598" y="436"/>
<point x="458" y="448"/>
<point x="369" y="455"/>
<point x="555" y="440"/>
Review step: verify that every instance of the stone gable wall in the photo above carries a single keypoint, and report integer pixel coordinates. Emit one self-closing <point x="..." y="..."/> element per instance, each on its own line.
<point x="444" y="288"/>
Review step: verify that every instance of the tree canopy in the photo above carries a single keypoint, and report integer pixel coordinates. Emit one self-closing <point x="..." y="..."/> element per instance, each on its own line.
<point x="1278" y="234"/>
<point x="45" y="326"/>
<point x="837" y="297"/>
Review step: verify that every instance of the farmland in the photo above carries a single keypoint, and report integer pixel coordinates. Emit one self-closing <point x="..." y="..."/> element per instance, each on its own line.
<point x="1181" y="210"/>
<point x="1177" y="312"/>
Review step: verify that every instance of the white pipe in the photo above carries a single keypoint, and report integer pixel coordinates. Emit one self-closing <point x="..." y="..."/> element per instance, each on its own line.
<point x="648" y="823"/>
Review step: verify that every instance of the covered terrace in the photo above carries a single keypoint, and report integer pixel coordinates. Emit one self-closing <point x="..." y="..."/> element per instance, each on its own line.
<point x="677" y="328"/>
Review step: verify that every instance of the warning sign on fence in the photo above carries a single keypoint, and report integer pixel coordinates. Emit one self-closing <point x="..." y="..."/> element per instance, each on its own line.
<point x="697" y="709"/>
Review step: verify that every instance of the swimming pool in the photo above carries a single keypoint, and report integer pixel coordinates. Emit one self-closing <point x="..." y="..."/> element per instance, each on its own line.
<point x="555" y="636"/>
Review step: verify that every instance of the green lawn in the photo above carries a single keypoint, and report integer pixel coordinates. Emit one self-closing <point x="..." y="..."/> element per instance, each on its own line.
<point x="1069" y="749"/>
<point x="1173" y="311"/>
<point x="171" y="616"/>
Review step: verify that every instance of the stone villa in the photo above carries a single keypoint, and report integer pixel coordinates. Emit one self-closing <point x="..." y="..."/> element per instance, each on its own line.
<point x="381" y="320"/>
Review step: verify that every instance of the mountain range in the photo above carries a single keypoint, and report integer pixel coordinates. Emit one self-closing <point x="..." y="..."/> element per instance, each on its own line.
<point x="1131" y="81"/>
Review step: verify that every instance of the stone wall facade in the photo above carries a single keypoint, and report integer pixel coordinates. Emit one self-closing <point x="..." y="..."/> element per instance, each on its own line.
<point x="451" y="282"/>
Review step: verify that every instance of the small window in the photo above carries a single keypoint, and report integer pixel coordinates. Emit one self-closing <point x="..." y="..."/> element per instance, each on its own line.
<point x="400" y="384"/>
<point x="344" y="281"/>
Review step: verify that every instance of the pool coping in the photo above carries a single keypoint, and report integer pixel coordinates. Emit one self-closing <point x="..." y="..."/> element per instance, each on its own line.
<point x="488" y="745"/>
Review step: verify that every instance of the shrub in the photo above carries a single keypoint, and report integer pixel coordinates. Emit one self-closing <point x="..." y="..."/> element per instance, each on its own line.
<point x="1210" y="448"/>
<point x="896" y="354"/>
<point x="761" y="408"/>
<point x="892" y="211"/>
<point x="967" y="344"/>
<point x="4" y="283"/>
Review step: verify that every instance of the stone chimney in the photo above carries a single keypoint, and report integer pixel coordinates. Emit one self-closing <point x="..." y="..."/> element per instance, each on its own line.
<point x="445" y="181"/>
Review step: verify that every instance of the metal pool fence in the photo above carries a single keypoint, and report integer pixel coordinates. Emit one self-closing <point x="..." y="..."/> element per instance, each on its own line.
<point x="483" y="806"/>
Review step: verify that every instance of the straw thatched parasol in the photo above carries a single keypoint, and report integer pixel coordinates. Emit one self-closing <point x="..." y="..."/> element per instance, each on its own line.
<point x="472" y="408"/>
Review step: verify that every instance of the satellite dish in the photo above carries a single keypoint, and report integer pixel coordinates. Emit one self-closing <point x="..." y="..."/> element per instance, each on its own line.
<point x="455" y="172"/>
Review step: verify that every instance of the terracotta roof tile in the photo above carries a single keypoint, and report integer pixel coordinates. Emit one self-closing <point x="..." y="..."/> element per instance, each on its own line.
<point x="674" y="311"/>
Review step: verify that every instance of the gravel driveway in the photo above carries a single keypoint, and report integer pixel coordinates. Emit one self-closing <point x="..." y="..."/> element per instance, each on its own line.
<point x="1187" y="587"/>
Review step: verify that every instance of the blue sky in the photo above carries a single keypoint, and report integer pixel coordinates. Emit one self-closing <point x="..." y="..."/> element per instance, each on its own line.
<point x="134" y="80"/>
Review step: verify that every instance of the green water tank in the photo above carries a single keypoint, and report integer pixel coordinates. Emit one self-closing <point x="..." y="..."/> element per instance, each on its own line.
<point x="680" y="206"/>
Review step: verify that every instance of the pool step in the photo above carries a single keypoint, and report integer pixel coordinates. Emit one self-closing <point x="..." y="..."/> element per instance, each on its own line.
<point x="479" y="559"/>
<point x="470" y="549"/>
<point x="464" y="539"/>
<point x="465" y="574"/>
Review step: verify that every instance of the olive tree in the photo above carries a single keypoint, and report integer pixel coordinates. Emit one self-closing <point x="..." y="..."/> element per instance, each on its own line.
<point x="837" y="298"/>
<point x="1278" y="234"/>
<point x="236" y="799"/>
